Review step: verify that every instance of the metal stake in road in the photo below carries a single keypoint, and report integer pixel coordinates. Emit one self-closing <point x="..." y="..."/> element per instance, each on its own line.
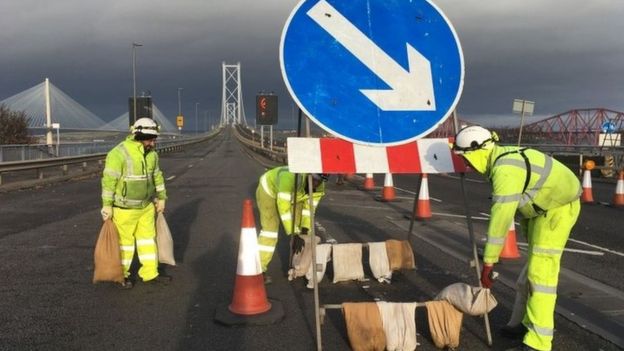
<point x="475" y="255"/>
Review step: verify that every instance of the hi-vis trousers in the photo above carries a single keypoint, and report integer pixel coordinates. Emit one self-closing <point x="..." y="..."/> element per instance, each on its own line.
<point x="536" y="292"/>
<point x="270" y="222"/>
<point x="137" y="225"/>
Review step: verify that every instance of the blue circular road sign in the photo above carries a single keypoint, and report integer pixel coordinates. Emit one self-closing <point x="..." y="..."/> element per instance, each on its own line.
<point x="377" y="72"/>
<point x="608" y="127"/>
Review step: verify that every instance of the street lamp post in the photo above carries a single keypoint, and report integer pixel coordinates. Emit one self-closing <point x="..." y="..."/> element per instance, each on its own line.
<point x="206" y="121"/>
<point x="196" y="107"/>
<point x="180" y="101"/>
<point x="134" y="46"/>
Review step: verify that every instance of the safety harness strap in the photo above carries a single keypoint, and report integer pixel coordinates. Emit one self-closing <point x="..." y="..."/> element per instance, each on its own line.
<point x="527" y="178"/>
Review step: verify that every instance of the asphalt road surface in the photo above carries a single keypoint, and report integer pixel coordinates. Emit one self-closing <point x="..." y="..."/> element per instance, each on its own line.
<point x="47" y="236"/>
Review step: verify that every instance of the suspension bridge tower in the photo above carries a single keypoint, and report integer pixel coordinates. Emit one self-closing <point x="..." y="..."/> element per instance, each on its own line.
<point x="232" y="110"/>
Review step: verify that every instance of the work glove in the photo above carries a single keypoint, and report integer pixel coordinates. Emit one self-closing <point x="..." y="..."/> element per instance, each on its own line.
<point x="107" y="212"/>
<point x="487" y="279"/>
<point x="160" y="206"/>
<point x="298" y="244"/>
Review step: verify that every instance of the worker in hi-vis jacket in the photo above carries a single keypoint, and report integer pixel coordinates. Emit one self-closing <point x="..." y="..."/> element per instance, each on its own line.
<point x="274" y="197"/>
<point x="132" y="184"/>
<point x="546" y="193"/>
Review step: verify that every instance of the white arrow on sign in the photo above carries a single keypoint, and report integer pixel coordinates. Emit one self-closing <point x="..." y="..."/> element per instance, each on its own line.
<point x="411" y="90"/>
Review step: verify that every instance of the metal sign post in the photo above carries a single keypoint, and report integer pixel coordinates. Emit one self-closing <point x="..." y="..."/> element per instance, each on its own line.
<point x="524" y="108"/>
<point x="475" y="255"/>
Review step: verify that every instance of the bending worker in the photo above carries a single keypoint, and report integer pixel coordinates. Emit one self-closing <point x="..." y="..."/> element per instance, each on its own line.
<point x="130" y="183"/>
<point x="274" y="197"/>
<point x="546" y="193"/>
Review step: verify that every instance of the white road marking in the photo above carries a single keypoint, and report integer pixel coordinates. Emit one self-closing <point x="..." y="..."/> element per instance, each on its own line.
<point x="170" y="178"/>
<point x="468" y="179"/>
<point x="593" y="253"/>
<point x="598" y="247"/>
<point x="584" y="243"/>
<point x="413" y="193"/>
<point x="458" y="216"/>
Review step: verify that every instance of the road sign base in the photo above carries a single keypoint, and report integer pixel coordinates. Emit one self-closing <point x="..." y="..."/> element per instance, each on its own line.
<point x="275" y="315"/>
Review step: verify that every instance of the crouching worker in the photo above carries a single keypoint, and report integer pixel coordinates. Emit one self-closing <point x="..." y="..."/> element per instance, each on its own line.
<point x="131" y="184"/>
<point x="274" y="198"/>
<point x="546" y="193"/>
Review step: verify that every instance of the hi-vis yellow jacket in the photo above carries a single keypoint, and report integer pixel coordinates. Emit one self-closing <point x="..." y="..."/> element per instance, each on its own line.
<point x="279" y="183"/>
<point x="131" y="178"/>
<point x="528" y="181"/>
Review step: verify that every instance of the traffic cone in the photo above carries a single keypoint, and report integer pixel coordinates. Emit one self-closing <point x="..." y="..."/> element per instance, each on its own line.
<point x="587" y="196"/>
<point x="250" y="304"/>
<point x="510" y="249"/>
<point x="618" y="197"/>
<point x="423" y="207"/>
<point x="369" y="182"/>
<point x="387" y="193"/>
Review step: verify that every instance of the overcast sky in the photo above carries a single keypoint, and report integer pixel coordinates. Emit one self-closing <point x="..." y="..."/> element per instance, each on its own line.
<point x="562" y="54"/>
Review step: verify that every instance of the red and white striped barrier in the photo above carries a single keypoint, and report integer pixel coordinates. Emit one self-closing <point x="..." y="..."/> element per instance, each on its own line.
<point x="331" y="155"/>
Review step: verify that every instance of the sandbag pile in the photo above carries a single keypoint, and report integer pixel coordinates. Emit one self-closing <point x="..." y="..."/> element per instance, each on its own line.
<point x="384" y="258"/>
<point x="378" y="326"/>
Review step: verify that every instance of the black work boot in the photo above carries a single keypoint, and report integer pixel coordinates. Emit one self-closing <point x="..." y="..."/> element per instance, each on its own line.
<point x="125" y="285"/>
<point x="513" y="332"/>
<point x="160" y="279"/>
<point x="267" y="279"/>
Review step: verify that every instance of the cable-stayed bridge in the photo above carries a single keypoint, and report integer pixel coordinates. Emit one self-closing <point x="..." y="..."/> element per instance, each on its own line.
<point x="63" y="109"/>
<point x="69" y="113"/>
<point x="121" y="122"/>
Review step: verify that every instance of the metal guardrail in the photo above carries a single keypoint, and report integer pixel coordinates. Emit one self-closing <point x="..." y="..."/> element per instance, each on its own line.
<point x="64" y="162"/>
<point x="277" y="154"/>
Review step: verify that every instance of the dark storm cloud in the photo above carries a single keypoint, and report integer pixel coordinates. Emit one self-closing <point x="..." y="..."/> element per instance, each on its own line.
<point x="563" y="54"/>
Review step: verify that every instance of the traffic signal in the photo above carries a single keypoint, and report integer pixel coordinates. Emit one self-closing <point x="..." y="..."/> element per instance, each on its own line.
<point x="266" y="109"/>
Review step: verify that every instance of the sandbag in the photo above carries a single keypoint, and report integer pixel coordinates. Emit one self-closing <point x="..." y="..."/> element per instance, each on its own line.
<point x="347" y="262"/>
<point x="107" y="255"/>
<point x="378" y="262"/>
<point x="471" y="300"/>
<point x="164" y="241"/>
<point x="444" y="323"/>
<point x="301" y="261"/>
<point x="399" y="324"/>
<point x="323" y="255"/>
<point x="400" y="254"/>
<point x="364" y="326"/>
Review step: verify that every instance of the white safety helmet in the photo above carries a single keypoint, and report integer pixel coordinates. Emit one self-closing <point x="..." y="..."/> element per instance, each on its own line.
<point x="145" y="129"/>
<point x="473" y="138"/>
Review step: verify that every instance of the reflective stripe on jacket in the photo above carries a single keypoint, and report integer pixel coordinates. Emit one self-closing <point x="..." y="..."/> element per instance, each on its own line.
<point x="550" y="185"/>
<point x="131" y="178"/>
<point x="279" y="183"/>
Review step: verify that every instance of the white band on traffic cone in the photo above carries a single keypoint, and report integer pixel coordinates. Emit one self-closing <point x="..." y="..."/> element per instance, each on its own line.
<point x="248" y="253"/>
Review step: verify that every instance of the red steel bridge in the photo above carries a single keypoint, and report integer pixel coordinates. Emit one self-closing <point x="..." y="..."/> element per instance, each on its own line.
<point x="574" y="127"/>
